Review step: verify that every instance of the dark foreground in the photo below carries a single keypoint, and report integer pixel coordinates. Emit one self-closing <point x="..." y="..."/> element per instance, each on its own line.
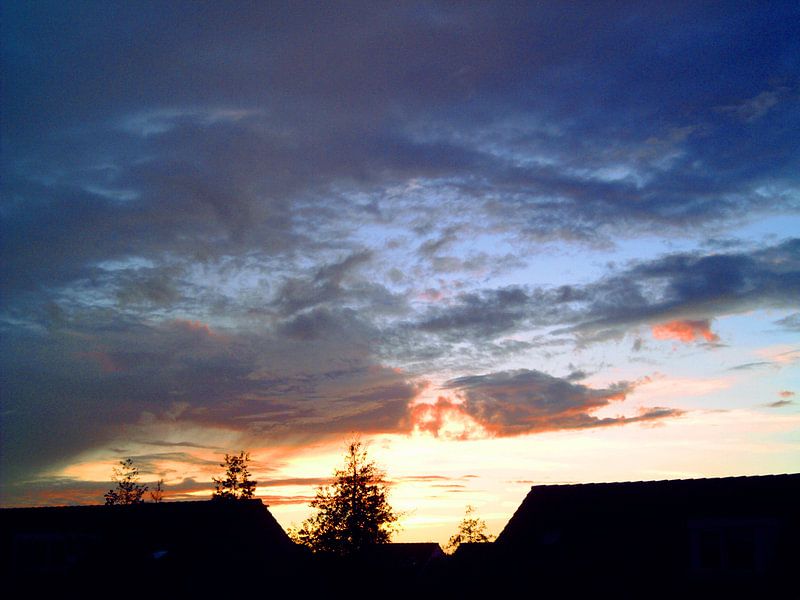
<point x="709" y="538"/>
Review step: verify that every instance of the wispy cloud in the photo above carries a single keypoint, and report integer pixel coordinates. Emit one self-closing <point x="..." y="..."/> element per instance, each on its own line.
<point x="754" y="108"/>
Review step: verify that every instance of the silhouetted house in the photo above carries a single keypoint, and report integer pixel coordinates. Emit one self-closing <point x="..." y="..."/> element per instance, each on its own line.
<point x="171" y="543"/>
<point x="405" y="559"/>
<point x="471" y="571"/>
<point x="400" y="567"/>
<point x="474" y="554"/>
<point x="737" y="536"/>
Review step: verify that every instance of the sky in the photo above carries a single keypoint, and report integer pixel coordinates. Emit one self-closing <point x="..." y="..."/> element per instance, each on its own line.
<point x="506" y="244"/>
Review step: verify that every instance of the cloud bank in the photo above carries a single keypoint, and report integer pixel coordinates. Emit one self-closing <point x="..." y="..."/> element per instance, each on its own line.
<point x="280" y="221"/>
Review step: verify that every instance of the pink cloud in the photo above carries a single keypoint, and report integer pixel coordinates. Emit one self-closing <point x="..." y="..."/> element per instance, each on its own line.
<point x="685" y="331"/>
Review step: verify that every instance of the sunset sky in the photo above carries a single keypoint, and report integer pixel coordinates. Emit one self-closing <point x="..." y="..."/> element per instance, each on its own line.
<point x="506" y="243"/>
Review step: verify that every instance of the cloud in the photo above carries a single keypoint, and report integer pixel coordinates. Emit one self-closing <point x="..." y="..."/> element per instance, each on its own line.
<point x="56" y="491"/>
<point x="424" y="478"/>
<point x="170" y="164"/>
<point x="751" y="365"/>
<point x="228" y="218"/>
<point x="677" y="295"/>
<point x="325" y="285"/>
<point x="309" y="365"/>
<point x="780" y="403"/>
<point x="786" y="399"/>
<point x="432" y="246"/>
<point x="691" y="287"/>
<point x="754" y="108"/>
<point x="86" y="384"/>
<point x="509" y="403"/>
<point x="149" y="287"/>
<point x="184" y="444"/>
<point x="698" y="286"/>
<point x="69" y="491"/>
<point x="480" y="315"/>
<point x="685" y="331"/>
<point x="312" y="481"/>
<point x="792" y="322"/>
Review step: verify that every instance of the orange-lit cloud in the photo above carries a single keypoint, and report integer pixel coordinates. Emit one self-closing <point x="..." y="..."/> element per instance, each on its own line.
<point x="66" y="495"/>
<point x="521" y="402"/>
<point x="445" y="418"/>
<point x="786" y="394"/>
<point x="685" y="331"/>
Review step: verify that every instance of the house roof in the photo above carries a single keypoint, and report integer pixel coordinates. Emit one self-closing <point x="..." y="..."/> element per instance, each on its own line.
<point x="198" y="526"/>
<point x="665" y="502"/>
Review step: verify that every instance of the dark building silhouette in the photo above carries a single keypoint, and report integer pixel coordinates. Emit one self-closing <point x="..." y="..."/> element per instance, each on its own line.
<point x="408" y="561"/>
<point x="734" y="537"/>
<point x="177" y="546"/>
<point x="474" y="554"/>
<point x="726" y="537"/>
<point x="400" y="568"/>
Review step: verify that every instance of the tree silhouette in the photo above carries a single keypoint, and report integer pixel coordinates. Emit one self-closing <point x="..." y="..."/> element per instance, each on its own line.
<point x="351" y="513"/>
<point x="128" y="490"/>
<point x="157" y="493"/>
<point x="236" y="484"/>
<point x="471" y="529"/>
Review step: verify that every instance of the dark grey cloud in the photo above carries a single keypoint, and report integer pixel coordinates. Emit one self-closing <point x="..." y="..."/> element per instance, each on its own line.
<point x="691" y="287"/>
<point x="751" y="365"/>
<point x="433" y="246"/>
<point x="184" y="444"/>
<point x="780" y="403"/>
<point x="792" y="322"/>
<point x="577" y="375"/>
<point x="71" y="389"/>
<point x="162" y="161"/>
<point x="327" y="286"/>
<point x="509" y="403"/>
<point x="148" y="463"/>
<point x="152" y="132"/>
<point x="149" y="287"/>
<point x="483" y="314"/>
